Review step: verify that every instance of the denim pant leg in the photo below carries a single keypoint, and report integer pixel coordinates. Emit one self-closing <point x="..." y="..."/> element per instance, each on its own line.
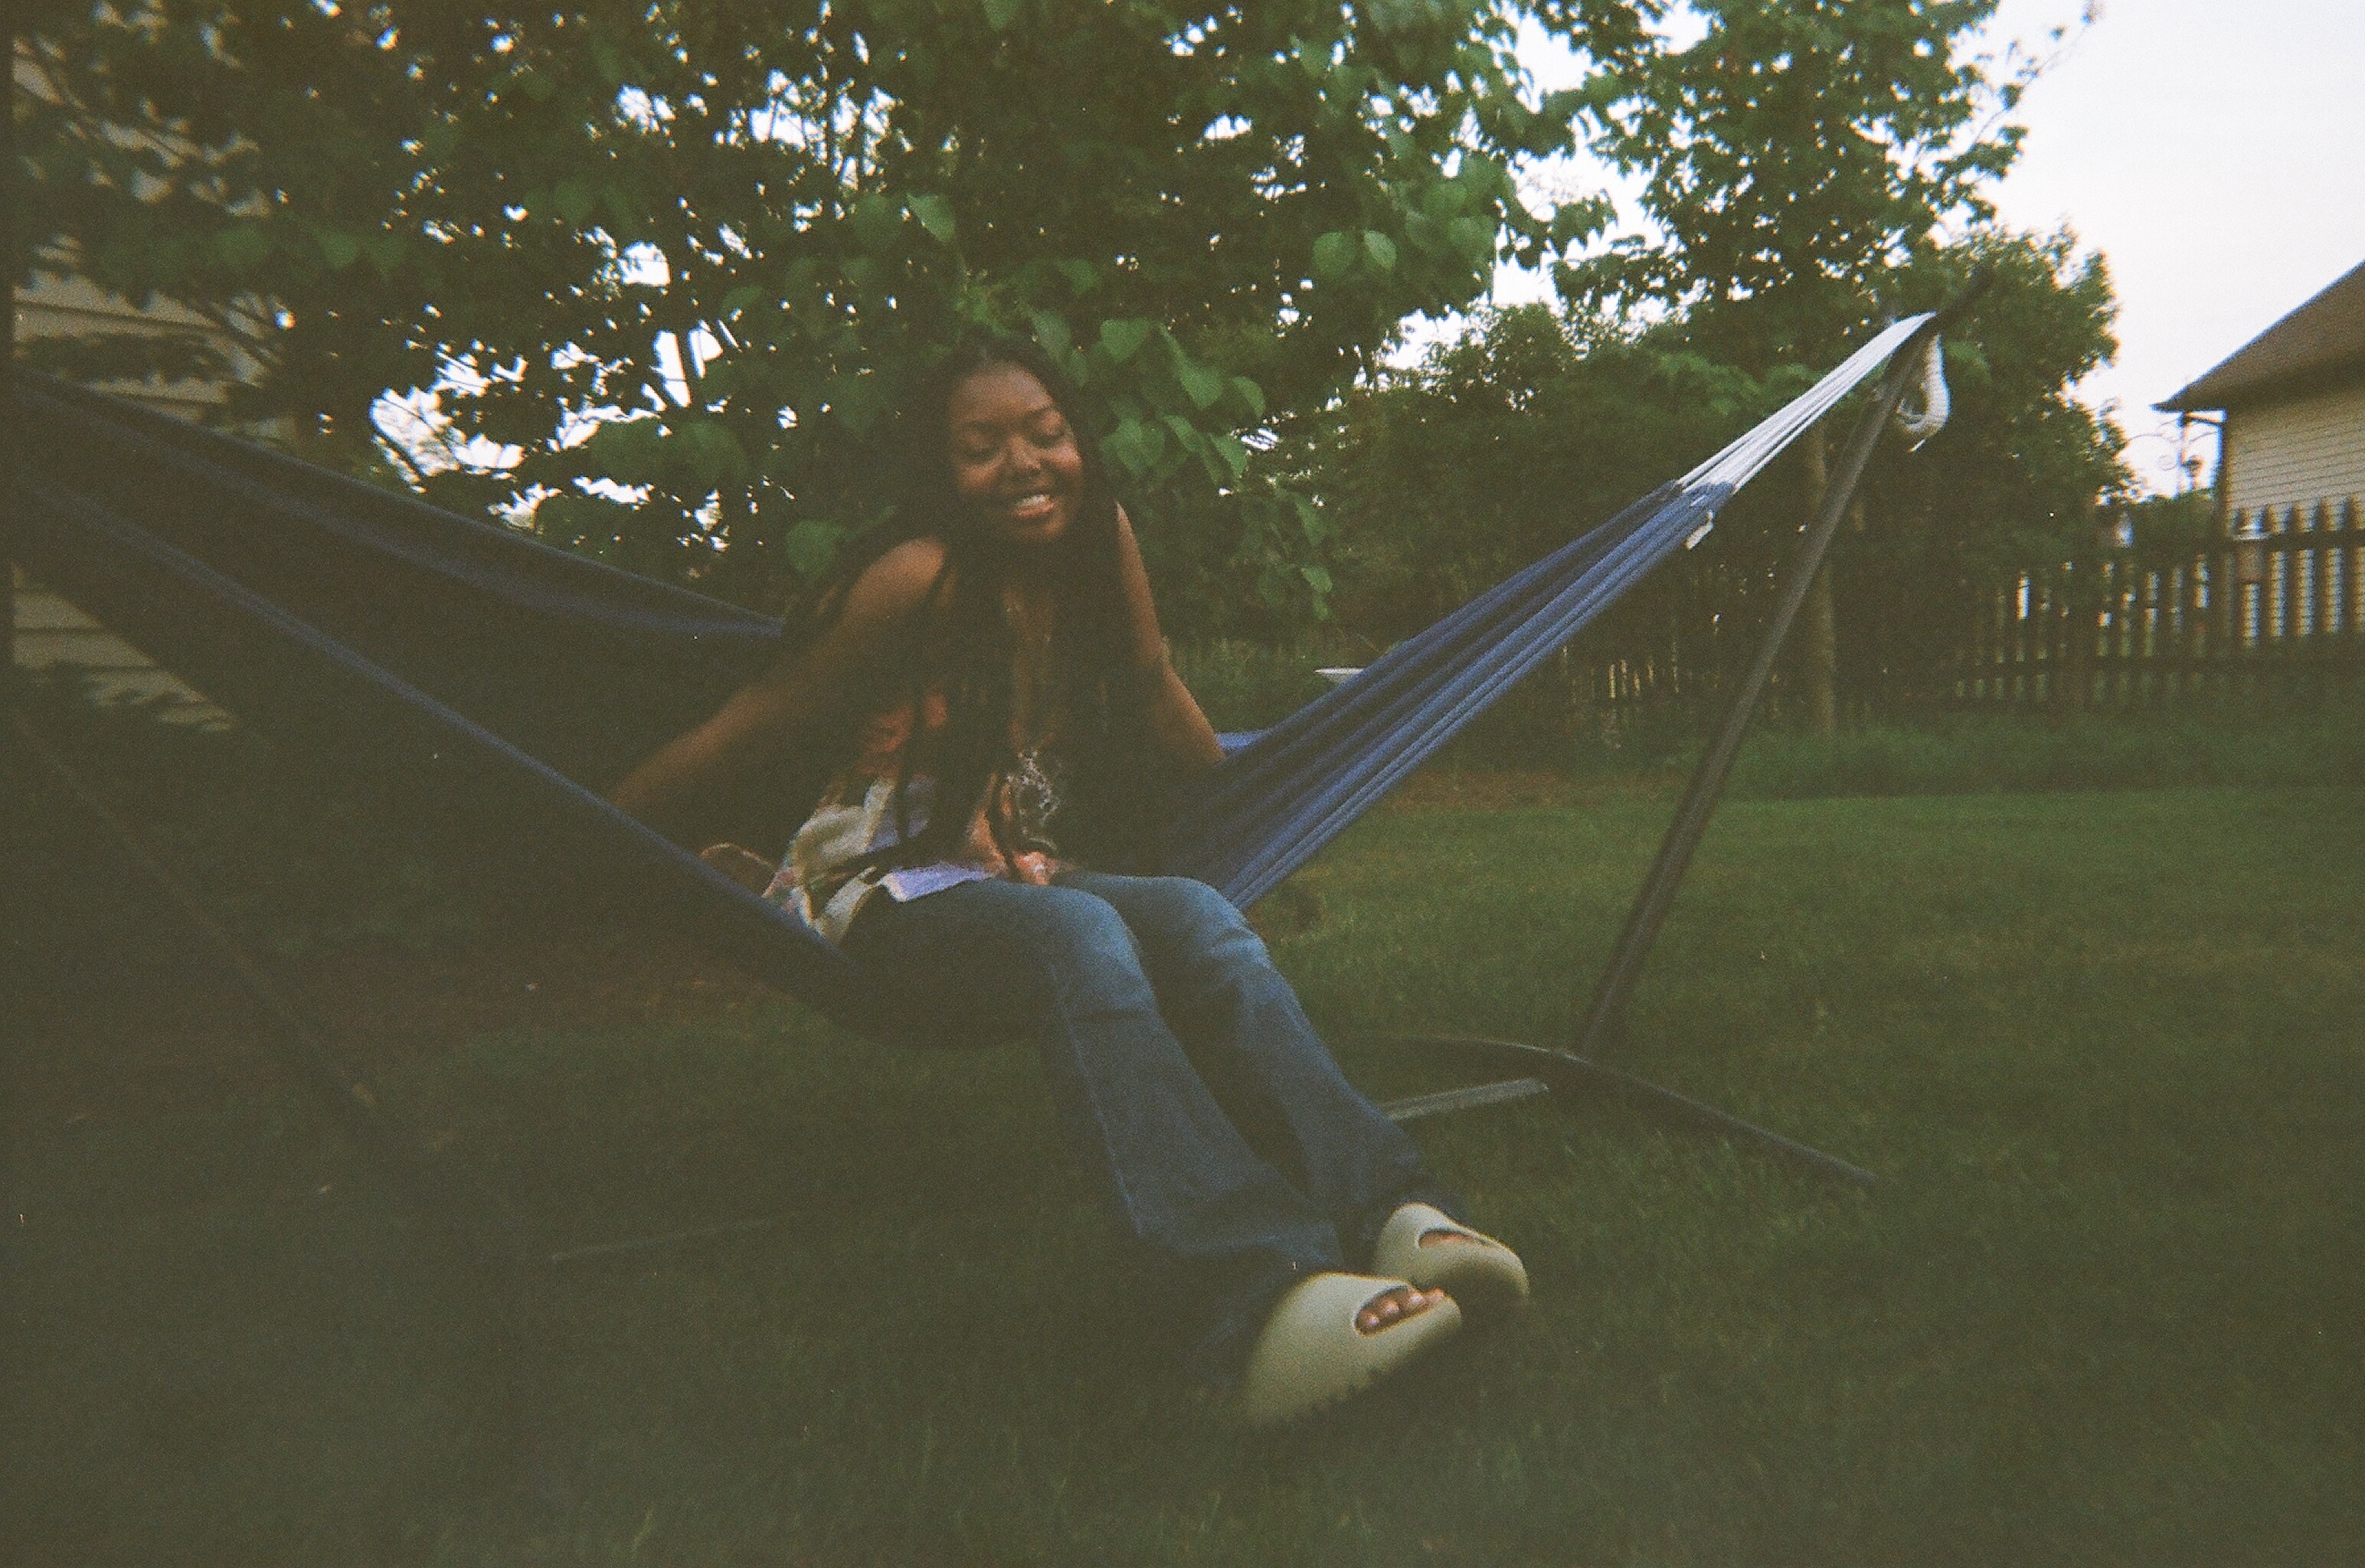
<point x="1218" y="1233"/>
<point x="1240" y="1019"/>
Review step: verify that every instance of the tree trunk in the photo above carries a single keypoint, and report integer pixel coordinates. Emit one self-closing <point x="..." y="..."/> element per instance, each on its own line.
<point x="1820" y="659"/>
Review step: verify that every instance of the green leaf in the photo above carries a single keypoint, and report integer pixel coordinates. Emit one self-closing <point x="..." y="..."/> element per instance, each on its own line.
<point x="1473" y="239"/>
<point x="1204" y="383"/>
<point x="1123" y="446"/>
<point x="875" y="220"/>
<point x="1051" y="332"/>
<point x="340" y="251"/>
<point x="1315" y="578"/>
<point x="384" y="253"/>
<point x="1250" y="393"/>
<point x="1000" y="13"/>
<point x="1081" y="275"/>
<point x="1574" y="220"/>
<point x="855" y="402"/>
<point x="1310" y="522"/>
<point x="739" y="298"/>
<point x="573" y="198"/>
<point x="812" y="546"/>
<point x="1135" y="447"/>
<point x="1234" y="454"/>
<point x="936" y="216"/>
<point x="628" y="211"/>
<point x="1380" y="249"/>
<point x="1333" y="253"/>
<point x="242" y="246"/>
<point x="1123" y="338"/>
<point x="717" y="455"/>
<point x="718" y="380"/>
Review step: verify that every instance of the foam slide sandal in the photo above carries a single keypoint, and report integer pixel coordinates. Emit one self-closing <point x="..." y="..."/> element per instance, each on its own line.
<point x="1476" y="1271"/>
<point x="1311" y="1354"/>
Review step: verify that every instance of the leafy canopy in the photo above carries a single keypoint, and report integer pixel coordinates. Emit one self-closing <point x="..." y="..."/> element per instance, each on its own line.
<point x="1796" y="156"/>
<point x="673" y="262"/>
<point x="1513" y="439"/>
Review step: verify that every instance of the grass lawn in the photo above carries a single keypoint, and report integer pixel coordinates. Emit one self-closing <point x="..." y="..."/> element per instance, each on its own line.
<point x="2107" y="1306"/>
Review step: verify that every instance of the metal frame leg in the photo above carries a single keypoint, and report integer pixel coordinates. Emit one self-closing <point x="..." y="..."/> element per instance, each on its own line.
<point x="1605" y="1025"/>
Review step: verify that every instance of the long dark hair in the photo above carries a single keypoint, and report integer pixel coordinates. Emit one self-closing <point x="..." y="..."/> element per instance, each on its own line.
<point x="960" y="641"/>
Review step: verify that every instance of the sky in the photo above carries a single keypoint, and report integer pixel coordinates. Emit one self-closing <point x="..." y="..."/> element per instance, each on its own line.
<point x="2213" y="151"/>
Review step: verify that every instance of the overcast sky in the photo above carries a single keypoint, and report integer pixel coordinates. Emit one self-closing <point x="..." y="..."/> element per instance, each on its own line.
<point x="2213" y="150"/>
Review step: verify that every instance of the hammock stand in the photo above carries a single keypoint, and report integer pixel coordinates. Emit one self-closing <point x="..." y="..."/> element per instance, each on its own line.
<point x="1580" y="1069"/>
<point x="135" y="582"/>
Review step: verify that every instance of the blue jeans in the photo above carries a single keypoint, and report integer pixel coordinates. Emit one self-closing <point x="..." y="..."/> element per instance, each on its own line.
<point x="1236" y="1155"/>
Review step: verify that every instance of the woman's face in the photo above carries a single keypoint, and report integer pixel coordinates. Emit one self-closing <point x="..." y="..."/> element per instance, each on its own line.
<point x="1015" y="462"/>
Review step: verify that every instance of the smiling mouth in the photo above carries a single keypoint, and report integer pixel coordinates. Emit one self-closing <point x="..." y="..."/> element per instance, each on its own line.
<point x="1031" y="507"/>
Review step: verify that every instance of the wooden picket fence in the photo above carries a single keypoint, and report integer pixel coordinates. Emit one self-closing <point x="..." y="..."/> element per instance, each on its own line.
<point x="2270" y="609"/>
<point x="2275" y="607"/>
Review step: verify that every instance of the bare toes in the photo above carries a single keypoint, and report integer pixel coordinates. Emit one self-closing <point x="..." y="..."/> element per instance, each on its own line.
<point x="1394" y="1307"/>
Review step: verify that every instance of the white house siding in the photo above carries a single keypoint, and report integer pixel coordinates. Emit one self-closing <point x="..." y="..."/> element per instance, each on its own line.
<point x="54" y="637"/>
<point x="56" y="305"/>
<point x="2298" y="453"/>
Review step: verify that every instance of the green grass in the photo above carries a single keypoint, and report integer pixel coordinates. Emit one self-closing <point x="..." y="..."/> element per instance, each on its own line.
<point x="2108" y="1304"/>
<point x="2313" y="739"/>
<point x="2322" y="742"/>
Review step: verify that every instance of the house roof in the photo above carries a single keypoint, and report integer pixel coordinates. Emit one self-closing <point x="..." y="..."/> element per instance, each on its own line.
<point x="2323" y="341"/>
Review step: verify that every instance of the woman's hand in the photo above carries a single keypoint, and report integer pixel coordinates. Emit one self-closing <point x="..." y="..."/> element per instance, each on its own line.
<point x="789" y="700"/>
<point x="1182" y="731"/>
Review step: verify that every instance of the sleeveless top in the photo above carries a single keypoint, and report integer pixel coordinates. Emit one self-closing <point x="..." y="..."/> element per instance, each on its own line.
<point x="825" y="878"/>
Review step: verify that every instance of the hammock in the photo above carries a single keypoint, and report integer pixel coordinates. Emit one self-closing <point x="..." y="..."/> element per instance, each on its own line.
<point x="409" y="637"/>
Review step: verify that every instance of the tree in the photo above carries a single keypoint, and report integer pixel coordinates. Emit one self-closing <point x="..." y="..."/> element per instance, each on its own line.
<point x="1505" y="443"/>
<point x="250" y="163"/>
<point x="1530" y="429"/>
<point x="1798" y="155"/>
<point x="673" y="262"/>
<point x="2013" y="483"/>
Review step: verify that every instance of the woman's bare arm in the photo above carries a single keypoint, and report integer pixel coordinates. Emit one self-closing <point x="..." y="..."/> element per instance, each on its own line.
<point x="793" y="697"/>
<point x="1182" y="731"/>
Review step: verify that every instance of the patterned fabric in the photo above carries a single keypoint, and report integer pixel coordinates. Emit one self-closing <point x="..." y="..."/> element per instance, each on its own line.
<point x="823" y="879"/>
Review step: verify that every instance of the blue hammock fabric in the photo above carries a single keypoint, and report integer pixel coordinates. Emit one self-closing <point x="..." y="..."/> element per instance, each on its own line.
<point x="407" y="638"/>
<point x="1273" y="805"/>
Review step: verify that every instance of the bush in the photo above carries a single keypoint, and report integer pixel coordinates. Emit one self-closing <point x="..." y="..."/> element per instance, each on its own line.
<point x="1247" y="686"/>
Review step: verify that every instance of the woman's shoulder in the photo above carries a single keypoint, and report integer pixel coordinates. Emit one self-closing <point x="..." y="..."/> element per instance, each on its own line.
<point x="896" y="583"/>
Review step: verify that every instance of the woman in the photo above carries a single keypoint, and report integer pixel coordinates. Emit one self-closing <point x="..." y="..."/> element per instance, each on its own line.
<point x="1001" y="654"/>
